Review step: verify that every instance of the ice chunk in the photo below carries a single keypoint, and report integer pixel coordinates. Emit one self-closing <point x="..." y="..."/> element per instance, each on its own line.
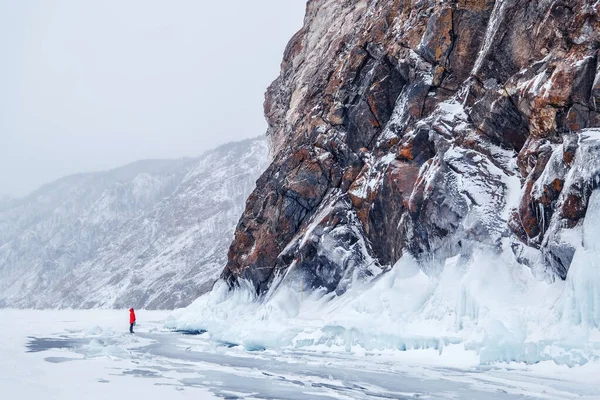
<point x="581" y="300"/>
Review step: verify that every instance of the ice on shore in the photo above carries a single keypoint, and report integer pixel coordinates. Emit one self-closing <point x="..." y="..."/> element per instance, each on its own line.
<point x="489" y="306"/>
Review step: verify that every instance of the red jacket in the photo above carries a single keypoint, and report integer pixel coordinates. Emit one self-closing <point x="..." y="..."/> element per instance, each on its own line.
<point x="131" y="316"/>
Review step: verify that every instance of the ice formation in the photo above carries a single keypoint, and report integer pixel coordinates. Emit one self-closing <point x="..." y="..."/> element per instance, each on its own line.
<point x="488" y="304"/>
<point x="491" y="305"/>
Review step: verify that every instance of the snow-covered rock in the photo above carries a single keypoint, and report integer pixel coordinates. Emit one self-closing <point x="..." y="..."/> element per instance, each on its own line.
<point x="434" y="167"/>
<point x="437" y="127"/>
<point x="152" y="234"/>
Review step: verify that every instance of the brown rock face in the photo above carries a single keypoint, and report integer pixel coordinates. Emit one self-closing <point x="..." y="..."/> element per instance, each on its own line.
<point x="404" y="126"/>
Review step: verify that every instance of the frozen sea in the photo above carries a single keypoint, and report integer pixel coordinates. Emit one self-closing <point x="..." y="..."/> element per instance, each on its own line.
<point x="91" y="355"/>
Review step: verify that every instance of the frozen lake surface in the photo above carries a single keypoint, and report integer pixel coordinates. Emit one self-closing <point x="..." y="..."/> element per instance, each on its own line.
<point x="90" y="354"/>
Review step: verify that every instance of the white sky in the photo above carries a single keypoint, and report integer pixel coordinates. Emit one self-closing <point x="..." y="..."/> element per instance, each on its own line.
<point x="91" y="85"/>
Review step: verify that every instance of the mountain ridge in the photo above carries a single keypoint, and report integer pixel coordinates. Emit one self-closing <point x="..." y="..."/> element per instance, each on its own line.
<point x="97" y="239"/>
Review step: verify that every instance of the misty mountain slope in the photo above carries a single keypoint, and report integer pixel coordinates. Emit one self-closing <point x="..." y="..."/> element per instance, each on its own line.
<point x="151" y="234"/>
<point x="4" y="201"/>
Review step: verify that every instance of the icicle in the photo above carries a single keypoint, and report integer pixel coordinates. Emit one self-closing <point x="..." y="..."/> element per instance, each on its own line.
<point x="542" y="217"/>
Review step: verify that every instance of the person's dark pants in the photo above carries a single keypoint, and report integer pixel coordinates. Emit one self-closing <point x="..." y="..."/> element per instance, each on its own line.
<point x="131" y="328"/>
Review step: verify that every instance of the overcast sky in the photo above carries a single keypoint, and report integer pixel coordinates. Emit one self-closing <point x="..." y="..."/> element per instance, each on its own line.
<point x="92" y="85"/>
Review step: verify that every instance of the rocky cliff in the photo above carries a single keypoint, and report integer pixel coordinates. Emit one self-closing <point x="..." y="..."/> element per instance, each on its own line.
<point x="153" y="234"/>
<point x="428" y="128"/>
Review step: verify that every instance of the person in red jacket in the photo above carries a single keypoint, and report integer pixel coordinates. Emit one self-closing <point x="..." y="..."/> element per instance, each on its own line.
<point x="131" y="320"/>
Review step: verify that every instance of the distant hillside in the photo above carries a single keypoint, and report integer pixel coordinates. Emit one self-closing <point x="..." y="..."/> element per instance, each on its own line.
<point x="152" y="234"/>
